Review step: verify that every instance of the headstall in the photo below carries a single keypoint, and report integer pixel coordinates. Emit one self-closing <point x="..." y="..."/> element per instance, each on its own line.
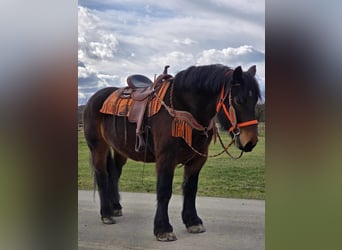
<point x="231" y="114"/>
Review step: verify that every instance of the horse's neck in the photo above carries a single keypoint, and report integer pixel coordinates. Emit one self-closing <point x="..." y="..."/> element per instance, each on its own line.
<point x="201" y="106"/>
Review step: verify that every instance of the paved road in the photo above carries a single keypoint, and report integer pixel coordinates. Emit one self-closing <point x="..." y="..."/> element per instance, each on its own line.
<point x="232" y="224"/>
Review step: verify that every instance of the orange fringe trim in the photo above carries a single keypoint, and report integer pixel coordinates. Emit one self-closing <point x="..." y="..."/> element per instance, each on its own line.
<point x="155" y="104"/>
<point x="180" y="128"/>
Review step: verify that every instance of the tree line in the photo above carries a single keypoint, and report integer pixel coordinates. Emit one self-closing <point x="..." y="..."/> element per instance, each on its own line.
<point x="260" y="112"/>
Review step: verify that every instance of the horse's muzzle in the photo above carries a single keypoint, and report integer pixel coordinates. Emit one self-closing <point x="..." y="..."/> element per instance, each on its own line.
<point x="247" y="140"/>
<point x="248" y="147"/>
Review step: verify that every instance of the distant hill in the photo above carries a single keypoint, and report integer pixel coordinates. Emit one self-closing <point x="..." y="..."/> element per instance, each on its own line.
<point x="80" y="113"/>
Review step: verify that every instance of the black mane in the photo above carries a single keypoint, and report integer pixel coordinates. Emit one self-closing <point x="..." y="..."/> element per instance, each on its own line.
<point x="210" y="78"/>
<point x="207" y="78"/>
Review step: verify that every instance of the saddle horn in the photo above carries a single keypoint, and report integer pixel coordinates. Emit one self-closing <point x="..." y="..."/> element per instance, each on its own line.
<point x="165" y="69"/>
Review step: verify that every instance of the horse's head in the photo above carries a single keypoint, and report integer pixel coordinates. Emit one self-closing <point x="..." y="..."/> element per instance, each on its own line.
<point x="237" y="113"/>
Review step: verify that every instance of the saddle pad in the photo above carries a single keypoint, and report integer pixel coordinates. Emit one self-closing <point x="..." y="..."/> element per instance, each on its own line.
<point x="116" y="105"/>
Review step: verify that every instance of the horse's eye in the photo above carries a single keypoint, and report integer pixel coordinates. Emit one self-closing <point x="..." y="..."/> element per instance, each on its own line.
<point x="239" y="101"/>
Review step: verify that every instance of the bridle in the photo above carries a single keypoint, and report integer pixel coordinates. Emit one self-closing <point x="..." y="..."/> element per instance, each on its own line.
<point x="231" y="114"/>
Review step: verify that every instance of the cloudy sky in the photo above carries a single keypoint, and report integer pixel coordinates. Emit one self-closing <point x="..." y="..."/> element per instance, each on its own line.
<point x="117" y="38"/>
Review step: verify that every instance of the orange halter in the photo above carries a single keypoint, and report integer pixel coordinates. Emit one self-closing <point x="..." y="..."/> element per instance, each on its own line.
<point x="230" y="113"/>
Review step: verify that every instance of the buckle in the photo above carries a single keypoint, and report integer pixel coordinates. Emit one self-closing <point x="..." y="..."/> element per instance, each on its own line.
<point x="236" y="132"/>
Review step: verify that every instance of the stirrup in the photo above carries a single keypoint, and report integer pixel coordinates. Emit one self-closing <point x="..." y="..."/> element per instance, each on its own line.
<point x="139" y="142"/>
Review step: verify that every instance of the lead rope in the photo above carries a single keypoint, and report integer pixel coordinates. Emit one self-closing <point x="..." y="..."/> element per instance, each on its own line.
<point x="225" y="149"/>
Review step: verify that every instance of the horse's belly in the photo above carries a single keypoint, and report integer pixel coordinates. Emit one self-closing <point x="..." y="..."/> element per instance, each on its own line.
<point x="121" y="136"/>
<point x="133" y="155"/>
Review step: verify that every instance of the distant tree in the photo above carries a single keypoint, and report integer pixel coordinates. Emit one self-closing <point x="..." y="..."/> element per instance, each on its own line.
<point x="260" y="112"/>
<point x="80" y="114"/>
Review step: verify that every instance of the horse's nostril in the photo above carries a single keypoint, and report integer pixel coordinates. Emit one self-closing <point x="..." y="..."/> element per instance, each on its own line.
<point x="248" y="147"/>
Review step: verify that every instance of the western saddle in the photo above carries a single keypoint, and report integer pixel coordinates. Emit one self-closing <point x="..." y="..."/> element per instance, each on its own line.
<point x="136" y="100"/>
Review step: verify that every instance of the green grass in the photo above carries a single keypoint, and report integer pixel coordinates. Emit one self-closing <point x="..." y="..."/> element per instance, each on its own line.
<point x="220" y="177"/>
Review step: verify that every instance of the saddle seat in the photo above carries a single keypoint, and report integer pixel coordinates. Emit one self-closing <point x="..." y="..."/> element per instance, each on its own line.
<point x="138" y="81"/>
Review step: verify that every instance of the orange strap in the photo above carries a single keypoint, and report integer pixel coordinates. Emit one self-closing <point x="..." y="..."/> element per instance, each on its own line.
<point x="226" y="112"/>
<point x="248" y="123"/>
<point x="244" y="124"/>
<point x="231" y="113"/>
<point x="220" y="102"/>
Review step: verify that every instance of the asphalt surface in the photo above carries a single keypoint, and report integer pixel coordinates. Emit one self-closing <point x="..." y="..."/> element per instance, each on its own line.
<point x="232" y="224"/>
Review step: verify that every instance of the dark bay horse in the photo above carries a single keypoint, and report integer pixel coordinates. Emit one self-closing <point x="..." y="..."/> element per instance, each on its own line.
<point x="206" y="93"/>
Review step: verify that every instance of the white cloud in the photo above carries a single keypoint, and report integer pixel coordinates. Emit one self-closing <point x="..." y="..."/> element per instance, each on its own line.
<point x="245" y="49"/>
<point x="119" y="38"/>
<point x="186" y="41"/>
<point x="93" y="40"/>
<point x="90" y="80"/>
<point x="176" y="59"/>
<point x="229" y="56"/>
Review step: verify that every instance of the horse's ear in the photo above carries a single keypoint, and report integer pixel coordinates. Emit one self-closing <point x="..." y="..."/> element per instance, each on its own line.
<point x="237" y="74"/>
<point x="252" y="70"/>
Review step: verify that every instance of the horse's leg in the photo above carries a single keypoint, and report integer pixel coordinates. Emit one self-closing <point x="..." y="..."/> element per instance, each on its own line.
<point x="101" y="159"/>
<point x="162" y="228"/>
<point x="114" y="171"/>
<point x="190" y="218"/>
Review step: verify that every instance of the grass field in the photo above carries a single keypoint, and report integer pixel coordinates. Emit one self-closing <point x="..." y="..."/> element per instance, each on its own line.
<point x="220" y="177"/>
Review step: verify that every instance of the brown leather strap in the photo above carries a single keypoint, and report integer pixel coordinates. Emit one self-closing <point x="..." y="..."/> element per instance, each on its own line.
<point x="188" y="117"/>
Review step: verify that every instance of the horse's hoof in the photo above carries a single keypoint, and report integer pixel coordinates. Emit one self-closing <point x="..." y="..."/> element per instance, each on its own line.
<point x="196" y="228"/>
<point x="108" y="220"/>
<point x="117" y="212"/>
<point x="166" y="236"/>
